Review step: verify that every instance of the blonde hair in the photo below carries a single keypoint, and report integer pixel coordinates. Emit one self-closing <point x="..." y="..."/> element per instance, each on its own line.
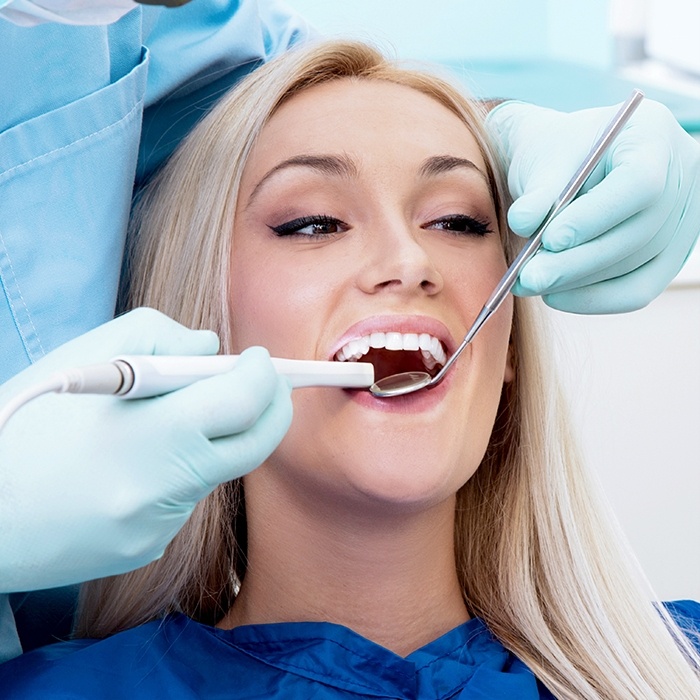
<point x="536" y="555"/>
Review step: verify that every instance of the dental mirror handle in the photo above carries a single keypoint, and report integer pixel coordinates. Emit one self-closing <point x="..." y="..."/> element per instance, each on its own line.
<point x="534" y="243"/>
<point x="153" y="375"/>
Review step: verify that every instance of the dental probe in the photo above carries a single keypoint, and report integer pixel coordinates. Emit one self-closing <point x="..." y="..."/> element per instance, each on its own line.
<point x="143" y="376"/>
<point x="408" y="382"/>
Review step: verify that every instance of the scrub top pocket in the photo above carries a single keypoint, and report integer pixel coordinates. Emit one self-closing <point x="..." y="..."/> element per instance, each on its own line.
<point x="70" y="172"/>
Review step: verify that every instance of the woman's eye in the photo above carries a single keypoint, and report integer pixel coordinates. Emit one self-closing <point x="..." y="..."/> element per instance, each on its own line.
<point x="319" y="225"/>
<point x="461" y="224"/>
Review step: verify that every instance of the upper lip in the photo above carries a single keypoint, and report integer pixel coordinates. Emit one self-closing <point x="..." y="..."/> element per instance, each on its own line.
<point x="397" y="324"/>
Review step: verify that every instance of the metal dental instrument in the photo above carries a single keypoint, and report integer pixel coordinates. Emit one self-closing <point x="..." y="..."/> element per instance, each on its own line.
<point x="408" y="382"/>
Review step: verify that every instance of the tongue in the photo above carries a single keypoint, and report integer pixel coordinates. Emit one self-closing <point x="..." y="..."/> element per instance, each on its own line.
<point x="388" y="362"/>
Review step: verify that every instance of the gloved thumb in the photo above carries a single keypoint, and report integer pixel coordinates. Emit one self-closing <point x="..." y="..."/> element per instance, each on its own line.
<point x="145" y="331"/>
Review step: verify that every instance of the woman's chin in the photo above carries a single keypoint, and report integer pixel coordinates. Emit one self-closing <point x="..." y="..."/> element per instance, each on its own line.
<point x="374" y="459"/>
<point x="393" y="487"/>
<point x="409" y="485"/>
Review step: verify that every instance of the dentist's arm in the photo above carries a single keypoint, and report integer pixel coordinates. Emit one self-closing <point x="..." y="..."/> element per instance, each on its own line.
<point x="95" y="485"/>
<point x="620" y="243"/>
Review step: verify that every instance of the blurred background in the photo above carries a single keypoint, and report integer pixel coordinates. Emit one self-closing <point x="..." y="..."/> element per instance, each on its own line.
<point x="633" y="379"/>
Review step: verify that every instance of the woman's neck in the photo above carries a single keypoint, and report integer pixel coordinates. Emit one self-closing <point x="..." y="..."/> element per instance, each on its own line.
<point x="388" y="576"/>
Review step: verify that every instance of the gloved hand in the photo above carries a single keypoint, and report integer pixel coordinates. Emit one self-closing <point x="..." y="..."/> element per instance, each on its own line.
<point x="92" y="486"/>
<point x="618" y="245"/>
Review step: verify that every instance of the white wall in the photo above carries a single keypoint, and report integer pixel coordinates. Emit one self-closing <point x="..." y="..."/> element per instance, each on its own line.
<point x="673" y="33"/>
<point x="439" y="30"/>
<point x="577" y="32"/>
<point x="634" y="385"/>
<point x="449" y="30"/>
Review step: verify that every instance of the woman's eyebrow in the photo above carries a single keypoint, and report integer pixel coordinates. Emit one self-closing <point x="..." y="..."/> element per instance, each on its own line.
<point x="336" y="165"/>
<point x="344" y="166"/>
<point x="437" y="165"/>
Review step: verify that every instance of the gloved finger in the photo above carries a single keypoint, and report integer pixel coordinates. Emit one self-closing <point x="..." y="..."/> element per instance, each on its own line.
<point x="149" y="332"/>
<point x="536" y="189"/>
<point x="228" y="403"/>
<point x="240" y="454"/>
<point x="618" y="267"/>
<point x="629" y="292"/>
<point x="528" y="211"/>
<point x="630" y="187"/>
<point x="551" y="272"/>
<point x="141" y="331"/>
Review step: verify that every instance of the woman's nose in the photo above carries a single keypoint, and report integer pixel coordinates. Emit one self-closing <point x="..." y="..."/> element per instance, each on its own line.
<point x="400" y="263"/>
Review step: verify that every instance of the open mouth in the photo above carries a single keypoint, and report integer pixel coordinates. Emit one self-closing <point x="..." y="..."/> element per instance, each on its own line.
<point x="393" y="353"/>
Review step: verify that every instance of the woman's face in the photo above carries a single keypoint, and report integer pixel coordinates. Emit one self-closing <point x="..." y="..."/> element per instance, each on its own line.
<point x="365" y="218"/>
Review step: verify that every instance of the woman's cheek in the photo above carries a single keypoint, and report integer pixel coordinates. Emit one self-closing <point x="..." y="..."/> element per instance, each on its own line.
<point x="270" y="307"/>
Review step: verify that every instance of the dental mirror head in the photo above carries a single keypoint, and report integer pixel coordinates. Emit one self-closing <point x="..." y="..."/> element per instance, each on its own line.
<point x="408" y="382"/>
<point x="399" y="384"/>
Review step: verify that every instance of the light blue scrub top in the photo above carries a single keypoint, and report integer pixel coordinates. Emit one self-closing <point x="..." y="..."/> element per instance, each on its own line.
<point x="72" y="100"/>
<point x="84" y="112"/>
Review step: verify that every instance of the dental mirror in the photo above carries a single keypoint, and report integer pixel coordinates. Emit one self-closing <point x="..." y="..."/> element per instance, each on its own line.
<point x="408" y="382"/>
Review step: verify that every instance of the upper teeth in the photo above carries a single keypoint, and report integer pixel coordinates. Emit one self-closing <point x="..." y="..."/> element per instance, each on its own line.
<point x="431" y="348"/>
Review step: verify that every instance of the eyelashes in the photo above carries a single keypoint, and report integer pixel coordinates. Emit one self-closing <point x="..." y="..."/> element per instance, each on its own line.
<point x="323" y="225"/>
<point x="317" y="225"/>
<point x="461" y="224"/>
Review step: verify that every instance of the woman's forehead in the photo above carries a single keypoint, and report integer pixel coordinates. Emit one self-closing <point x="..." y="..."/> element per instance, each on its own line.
<point x="365" y="115"/>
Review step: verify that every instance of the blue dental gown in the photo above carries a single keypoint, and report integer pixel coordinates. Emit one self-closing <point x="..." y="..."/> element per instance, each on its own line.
<point x="181" y="659"/>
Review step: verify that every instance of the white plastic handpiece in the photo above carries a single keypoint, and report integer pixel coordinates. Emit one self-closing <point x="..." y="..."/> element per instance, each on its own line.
<point x="154" y="375"/>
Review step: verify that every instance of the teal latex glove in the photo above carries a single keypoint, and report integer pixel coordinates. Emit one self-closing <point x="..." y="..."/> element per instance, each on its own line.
<point x="618" y="245"/>
<point x="92" y="486"/>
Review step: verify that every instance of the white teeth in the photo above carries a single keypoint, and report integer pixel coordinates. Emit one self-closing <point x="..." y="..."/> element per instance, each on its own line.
<point x="428" y="359"/>
<point x="394" y="341"/>
<point x="437" y="351"/>
<point x="355" y="350"/>
<point x="377" y="340"/>
<point x="431" y="348"/>
<point x="410" y="341"/>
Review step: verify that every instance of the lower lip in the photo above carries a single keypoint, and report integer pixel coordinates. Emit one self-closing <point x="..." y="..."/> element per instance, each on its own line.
<point x="415" y="402"/>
